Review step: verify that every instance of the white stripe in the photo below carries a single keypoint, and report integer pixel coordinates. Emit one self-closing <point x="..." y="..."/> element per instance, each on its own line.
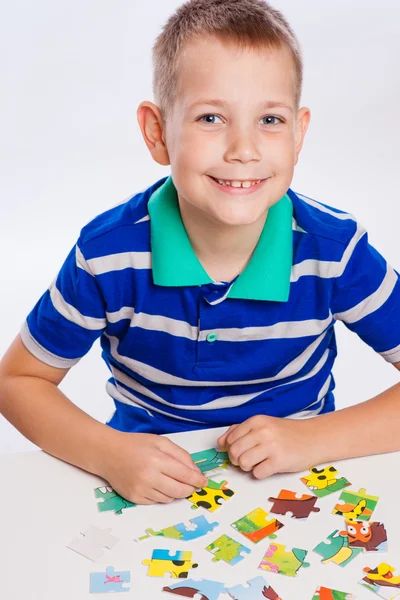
<point x="306" y="413"/>
<point x="222" y="297"/>
<point x="117" y="262"/>
<point x="296" y="226"/>
<point x="81" y="262"/>
<point x="142" y="220"/>
<point x="42" y="354"/>
<point x="392" y="355"/>
<point x="72" y="314"/>
<point x="319" y="206"/>
<point x="373" y="302"/>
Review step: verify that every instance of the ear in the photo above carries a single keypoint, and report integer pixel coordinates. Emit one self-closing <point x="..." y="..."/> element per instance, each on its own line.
<point x="152" y="127"/>
<point x="302" y="123"/>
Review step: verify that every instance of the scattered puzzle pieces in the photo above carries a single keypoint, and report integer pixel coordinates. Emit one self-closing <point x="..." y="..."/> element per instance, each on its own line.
<point x="371" y="537"/>
<point x="110" y="581"/>
<point x="210" y="460"/>
<point x="177" y="563"/>
<point x="256" y="526"/>
<point x="196" y="528"/>
<point x="356" y="505"/>
<point x="227" y="549"/>
<point x="110" y="500"/>
<point x="92" y="543"/>
<point x="278" y="560"/>
<point x="256" y="589"/>
<point x="211" y="495"/>
<point x="207" y="589"/>
<point x="337" y="549"/>
<point x="382" y="581"/>
<point x="323" y="593"/>
<point x="324" y="481"/>
<point x="288" y="502"/>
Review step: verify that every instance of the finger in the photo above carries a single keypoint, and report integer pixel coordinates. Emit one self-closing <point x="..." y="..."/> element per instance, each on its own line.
<point x="183" y="474"/>
<point x="222" y="439"/>
<point x="178" y="453"/>
<point x="239" y="431"/>
<point x="243" y="444"/>
<point x="159" y="496"/>
<point x="264" y="469"/>
<point x="174" y="489"/>
<point x="252" y="457"/>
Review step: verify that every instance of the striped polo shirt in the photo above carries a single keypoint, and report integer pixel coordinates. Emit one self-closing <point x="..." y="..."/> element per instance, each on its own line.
<point x="187" y="352"/>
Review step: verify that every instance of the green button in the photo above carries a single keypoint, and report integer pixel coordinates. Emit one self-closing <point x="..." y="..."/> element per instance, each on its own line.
<point x="212" y="337"/>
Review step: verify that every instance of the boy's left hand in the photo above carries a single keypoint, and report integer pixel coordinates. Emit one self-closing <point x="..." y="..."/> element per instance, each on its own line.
<point x="268" y="445"/>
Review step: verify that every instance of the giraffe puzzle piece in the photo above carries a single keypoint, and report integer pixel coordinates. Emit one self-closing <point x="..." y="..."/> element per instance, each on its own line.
<point x="205" y="588"/>
<point x="370" y="536"/>
<point x="110" y="581"/>
<point x="337" y="550"/>
<point x="211" y="495"/>
<point x="323" y="593"/>
<point x="278" y="560"/>
<point x="256" y="526"/>
<point x="210" y="460"/>
<point x="383" y="581"/>
<point x="110" y="500"/>
<point x="356" y="505"/>
<point x="176" y="563"/>
<point x="288" y="502"/>
<point x="324" y="481"/>
<point x="198" y="527"/>
<point x="257" y="588"/>
<point x="227" y="549"/>
<point x="92" y="543"/>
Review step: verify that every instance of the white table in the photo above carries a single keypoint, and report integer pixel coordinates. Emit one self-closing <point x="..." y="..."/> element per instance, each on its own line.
<point x="45" y="503"/>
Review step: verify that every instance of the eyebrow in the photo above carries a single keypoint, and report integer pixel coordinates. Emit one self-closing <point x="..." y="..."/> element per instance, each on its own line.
<point x="225" y="104"/>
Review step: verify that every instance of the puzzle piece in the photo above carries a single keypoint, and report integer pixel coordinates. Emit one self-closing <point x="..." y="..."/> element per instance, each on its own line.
<point x="210" y="460"/>
<point x="110" y="500"/>
<point x="256" y="526"/>
<point x="371" y="537"/>
<point x="324" y="481"/>
<point x="287" y="501"/>
<point x="211" y="495"/>
<point x="208" y="590"/>
<point x="323" y="593"/>
<point x="92" y="543"/>
<point x="382" y="581"/>
<point x="337" y="550"/>
<point x="278" y="560"/>
<point x="198" y="527"/>
<point x="227" y="549"/>
<point x="177" y="563"/>
<point x="110" y="581"/>
<point x="257" y="589"/>
<point x="356" y="505"/>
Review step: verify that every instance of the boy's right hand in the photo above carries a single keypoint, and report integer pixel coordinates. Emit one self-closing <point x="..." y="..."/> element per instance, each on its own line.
<point x="146" y="468"/>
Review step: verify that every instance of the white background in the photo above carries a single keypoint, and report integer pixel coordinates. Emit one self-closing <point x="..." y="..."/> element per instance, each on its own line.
<point x="73" y="74"/>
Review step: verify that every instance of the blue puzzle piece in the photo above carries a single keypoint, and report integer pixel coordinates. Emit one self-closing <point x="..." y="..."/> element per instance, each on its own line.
<point x="163" y="554"/>
<point x="210" y="590"/>
<point x="258" y="589"/>
<point x="110" y="581"/>
<point x="202" y="527"/>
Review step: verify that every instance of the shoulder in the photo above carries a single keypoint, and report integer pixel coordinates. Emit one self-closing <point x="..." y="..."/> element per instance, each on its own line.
<point x="122" y="228"/>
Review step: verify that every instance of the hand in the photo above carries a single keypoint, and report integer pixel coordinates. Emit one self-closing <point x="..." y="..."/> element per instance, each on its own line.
<point x="268" y="445"/>
<point x="146" y="468"/>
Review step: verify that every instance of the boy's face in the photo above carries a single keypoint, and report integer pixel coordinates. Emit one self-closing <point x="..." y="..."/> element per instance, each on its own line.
<point x="242" y="140"/>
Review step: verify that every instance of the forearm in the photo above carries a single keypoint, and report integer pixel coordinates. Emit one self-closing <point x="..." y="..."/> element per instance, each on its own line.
<point x="372" y="427"/>
<point x="43" y="414"/>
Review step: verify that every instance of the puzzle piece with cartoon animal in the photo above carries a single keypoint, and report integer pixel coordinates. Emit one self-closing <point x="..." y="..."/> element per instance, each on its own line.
<point x="256" y="525"/>
<point x="196" y="528"/>
<point x="204" y="589"/>
<point x="92" y="543"/>
<point x="211" y="495"/>
<point x="278" y="560"/>
<point x="324" y="481"/>
<point x="210" y="460"/>
<point x="323" y="593"/>
<point x="110" y="500"/>
<point x="257" y="588"/>
<point x="382" y="581"/>
<point x="288" y="501"/>
<point x="356" y="505"/>
<point x="109" y="581"/>
<point x="227" y="549"/>
<point x="370" y="536"/>
<point x="337" y="550"/>
<point x="176" y="563"/>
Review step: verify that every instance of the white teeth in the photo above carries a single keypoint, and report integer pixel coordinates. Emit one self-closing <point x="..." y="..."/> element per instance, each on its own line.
<point x="237" y="184"/>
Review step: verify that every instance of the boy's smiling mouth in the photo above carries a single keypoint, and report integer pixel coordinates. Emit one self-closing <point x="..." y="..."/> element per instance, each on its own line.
<point x="237" y="186"/>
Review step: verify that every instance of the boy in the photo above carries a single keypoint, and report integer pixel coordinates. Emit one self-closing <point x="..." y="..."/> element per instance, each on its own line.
<point x="215" y="291"/>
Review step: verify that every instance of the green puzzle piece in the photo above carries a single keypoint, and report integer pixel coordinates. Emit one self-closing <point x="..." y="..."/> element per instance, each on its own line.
<point x="337" y="550"/>
<point x="208" y="460"/>
<point x="111" y="500"/>
<point x="278" y="560"/>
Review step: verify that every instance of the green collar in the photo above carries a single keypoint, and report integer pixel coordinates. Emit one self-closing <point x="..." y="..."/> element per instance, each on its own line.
<point x="174" y="262"/>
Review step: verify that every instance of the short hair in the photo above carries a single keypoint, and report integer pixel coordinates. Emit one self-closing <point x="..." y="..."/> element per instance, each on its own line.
<point x="251" y="24"/>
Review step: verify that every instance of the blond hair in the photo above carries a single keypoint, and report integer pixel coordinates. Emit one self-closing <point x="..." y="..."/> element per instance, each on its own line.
<point x="251" y="24"/>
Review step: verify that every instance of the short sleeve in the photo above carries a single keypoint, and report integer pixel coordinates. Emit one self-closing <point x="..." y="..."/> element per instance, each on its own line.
<point x="69" y="317"/>
<point x="366" y="297"/>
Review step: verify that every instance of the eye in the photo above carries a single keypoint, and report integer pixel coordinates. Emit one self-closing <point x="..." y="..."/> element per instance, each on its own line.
<point x="364" y="530"/>
<point x="208" y="116"/>
<point x="271" y="117"/>
<point x="352" y="530"/>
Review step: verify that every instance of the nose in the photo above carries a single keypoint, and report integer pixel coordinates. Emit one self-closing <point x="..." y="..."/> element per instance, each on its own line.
<point x="242" y="147"/>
